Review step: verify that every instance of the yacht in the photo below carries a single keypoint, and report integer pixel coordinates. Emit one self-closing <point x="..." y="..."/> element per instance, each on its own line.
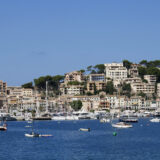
<point x="128" y="118"/>
<point x="6" y="117"/>
<point x="84" y="115"/>
<point x="122" y="125"/>
<point x="155" y="120"/>
<point x="59" y="117"/>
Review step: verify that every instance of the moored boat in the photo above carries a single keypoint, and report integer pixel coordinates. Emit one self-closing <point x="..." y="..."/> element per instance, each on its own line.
<point x="155" y="120"/>
<point x="122" y="125"/>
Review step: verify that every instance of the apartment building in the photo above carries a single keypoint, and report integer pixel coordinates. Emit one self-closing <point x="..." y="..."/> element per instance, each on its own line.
<point x="133" y="71"/>
<point x="74" y="76"/>
<point x="72" y="90"/>
<point x="150" y="78"/>
<point x="132" y="80"/>
<point x="91" y="86"/>
<point x="158" y="89"/>
<point x="143" y="87"/>
<point x="27" y="92"/>
<point x="96" y="77"/>
<point x="3" y="88"/>
<point x="15" y="91"/>
<point x="115" y="71"/>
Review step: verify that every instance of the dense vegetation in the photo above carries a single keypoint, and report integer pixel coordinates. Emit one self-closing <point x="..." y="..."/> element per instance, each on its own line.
<point x="76" y="105"/>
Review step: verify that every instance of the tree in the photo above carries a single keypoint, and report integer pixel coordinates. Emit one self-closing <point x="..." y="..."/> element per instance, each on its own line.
<point x="53" y="82"/>
<point x="142" y="71"/>
<point x="75" y="83"/>
<point x="127" y="64"/>
<point x="89" y="68"/>
<point x="142" y="94"/>
<point x="143" y="62"/>
<point x="82" y="71"/>
<point x="110" y="87"/>
<point x="95" y="89"/>
<point x="99" y="68"/>
<point x="28" y="85"/>
<point x="76" y="105"/>
<point x="126" y="89"/>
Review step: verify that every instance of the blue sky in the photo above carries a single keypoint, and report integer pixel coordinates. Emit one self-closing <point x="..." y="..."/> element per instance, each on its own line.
<point x="49" y="37"/>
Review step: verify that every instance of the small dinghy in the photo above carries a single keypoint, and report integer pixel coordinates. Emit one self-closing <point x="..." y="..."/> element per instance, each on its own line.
<point x="85" y="129"/>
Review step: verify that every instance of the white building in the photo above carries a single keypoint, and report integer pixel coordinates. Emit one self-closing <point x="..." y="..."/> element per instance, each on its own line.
<point x="27" y="92"/>
<point x="115" y="71"/>
<point x="150" y="78"/>
<point x="72" y="90"/>
<point x="143" y="87"/>
<point x="158" y="89"/>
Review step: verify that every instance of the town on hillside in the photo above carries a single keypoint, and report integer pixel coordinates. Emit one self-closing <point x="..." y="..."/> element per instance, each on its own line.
<point x="104" y="87"/>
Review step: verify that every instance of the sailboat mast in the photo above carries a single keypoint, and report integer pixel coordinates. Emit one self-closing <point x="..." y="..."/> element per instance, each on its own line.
<point x="46" y="96"/>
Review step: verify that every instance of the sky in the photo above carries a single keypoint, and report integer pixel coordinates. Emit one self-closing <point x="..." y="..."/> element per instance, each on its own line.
<point x="50" y="37"/>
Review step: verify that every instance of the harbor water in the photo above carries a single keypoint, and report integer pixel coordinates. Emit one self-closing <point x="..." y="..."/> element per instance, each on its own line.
<point x="142" y="142"/>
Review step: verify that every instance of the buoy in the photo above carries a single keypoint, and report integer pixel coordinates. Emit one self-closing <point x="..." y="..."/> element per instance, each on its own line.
<point x="114" y="133"/>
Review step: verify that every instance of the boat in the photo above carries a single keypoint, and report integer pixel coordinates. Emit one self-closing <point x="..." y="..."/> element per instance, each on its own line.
<point x="104" y="120"/>
<point x="84" y="115"/>
<point x="32" y="135"/>
<point x="85" y="129"/>
<point x="155" y="120"/>
<point x="126" y="118"/>
<point x="122" y="125"/>
<point x="3" y="127"/>
<point x="58" y="117"/>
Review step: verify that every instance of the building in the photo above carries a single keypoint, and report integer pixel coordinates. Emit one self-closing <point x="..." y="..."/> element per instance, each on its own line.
<point x="27" y="92"/>
<point x="158" y="89"/>
<point x="133" y="80"/>
<point x="133" y="71"/>
<point x="95" y="86"/>
<point x="96" y="77"/>
<point x="3" y="88"/>
<point x="115" y="71"/>
<point x="15" y="91"/>
<point x="104" y="104"/>
<point x="143" y="87"/>
<point x="74" y="76"/>
<point x="150" y="78"/>
<point x="72" y="89"/>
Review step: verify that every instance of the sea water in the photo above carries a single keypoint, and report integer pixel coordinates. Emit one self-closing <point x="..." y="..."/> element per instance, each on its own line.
<point x="142" y="142"/>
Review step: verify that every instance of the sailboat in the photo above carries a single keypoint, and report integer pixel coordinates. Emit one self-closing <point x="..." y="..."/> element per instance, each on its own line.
<point x="32" y="134"/>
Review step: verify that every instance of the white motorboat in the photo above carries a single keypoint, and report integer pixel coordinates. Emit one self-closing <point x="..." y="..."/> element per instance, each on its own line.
<point x="3" y="128"/>
<point x="104" y="120"/>
<point x="155" y="120"/>
<point x="85" y="129"/>
<point x="58" y="117"/>
<point x="122" y="125"/>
